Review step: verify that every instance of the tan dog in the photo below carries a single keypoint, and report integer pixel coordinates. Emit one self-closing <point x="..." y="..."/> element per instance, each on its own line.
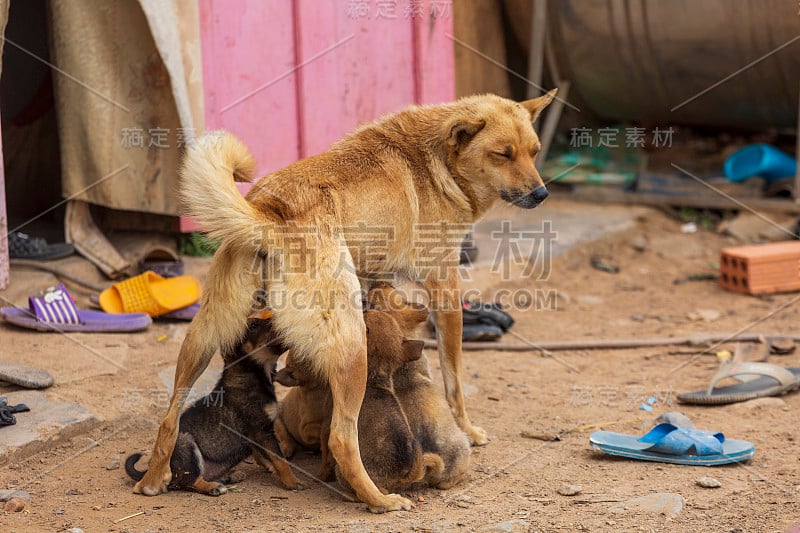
<point x="427" y="412"/>
<point x="412" y="174"/>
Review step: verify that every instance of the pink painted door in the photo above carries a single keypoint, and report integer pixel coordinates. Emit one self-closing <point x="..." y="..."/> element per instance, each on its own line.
<point x="249" y="75"/>
<point x="362" y="59"/>
<point x="289" y="77"/>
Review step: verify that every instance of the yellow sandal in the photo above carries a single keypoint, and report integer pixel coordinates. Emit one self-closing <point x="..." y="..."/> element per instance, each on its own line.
<point x="150" y="293"/>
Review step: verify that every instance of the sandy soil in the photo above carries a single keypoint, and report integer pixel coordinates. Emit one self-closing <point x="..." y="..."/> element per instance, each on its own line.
<point x="515" y="481"/>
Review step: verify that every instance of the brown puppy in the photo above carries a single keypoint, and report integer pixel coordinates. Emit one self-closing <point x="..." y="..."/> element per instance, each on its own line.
<point x="406" y="188"/>
<point x="221" y="429"/>
<point x="427" y="412"/>
<point x="306" y="406"/>
<point x="303" y="410"/>
<point x="390" y="453"/>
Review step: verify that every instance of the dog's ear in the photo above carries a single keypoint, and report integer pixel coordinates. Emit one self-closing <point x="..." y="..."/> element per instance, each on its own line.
<point x="286" y="378"/>
<point x="537" y="105"/>
<point x="412" y="349"/>
<point x="461" y="130"/>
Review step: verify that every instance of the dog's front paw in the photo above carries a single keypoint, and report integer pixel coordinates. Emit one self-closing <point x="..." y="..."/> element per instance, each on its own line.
<point x="149" y="489"/>
<point x="219" y="490"/>
<point x="294" y="486"/>
<point x="477" y="436"/>
<point x="391" y="502"/>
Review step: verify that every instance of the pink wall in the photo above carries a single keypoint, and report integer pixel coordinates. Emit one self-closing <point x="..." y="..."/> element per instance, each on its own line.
<point x="290" y="77"/>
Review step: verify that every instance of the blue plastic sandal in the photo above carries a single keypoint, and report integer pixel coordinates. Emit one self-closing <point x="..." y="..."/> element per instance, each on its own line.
<point x="667" y="443"/>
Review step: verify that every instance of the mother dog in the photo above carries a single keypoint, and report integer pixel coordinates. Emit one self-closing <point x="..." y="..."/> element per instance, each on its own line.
<point x="424" y="167"/>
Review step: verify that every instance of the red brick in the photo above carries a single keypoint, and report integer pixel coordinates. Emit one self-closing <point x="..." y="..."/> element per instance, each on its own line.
<point x="761" y="268"/>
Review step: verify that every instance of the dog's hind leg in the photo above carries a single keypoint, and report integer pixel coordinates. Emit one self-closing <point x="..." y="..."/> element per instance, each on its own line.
<point x="222" y="318"/>
<point x="446" y="304"/>
<point x="325" y="327"/>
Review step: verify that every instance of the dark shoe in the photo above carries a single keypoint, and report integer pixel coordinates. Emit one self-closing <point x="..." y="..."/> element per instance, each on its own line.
<point x="469" y="252"/>
<point x="23" y="246"/>
<point x="7" y="417"/>
<point x="489" y="314"/>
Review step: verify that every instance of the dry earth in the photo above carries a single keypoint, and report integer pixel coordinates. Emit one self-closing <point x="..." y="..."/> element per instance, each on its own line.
<point x="515" y="481"/>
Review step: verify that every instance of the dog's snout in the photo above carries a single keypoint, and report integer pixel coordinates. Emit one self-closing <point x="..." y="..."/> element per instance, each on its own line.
<point x="540" y="194"/>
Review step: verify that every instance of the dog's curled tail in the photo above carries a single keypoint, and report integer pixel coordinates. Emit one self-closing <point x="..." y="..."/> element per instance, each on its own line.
<point x="209" y="195"/>
<point x="425" y="467"/>
<point x="130" y="467"/>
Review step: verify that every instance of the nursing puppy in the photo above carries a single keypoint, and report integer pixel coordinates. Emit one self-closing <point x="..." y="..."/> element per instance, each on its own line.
<point x="389" y="451"/>
<point x="306" y="406"/>
<point x="427" y="412"/>
<point x="406" y="187"/>
<point x="232" y="422"/>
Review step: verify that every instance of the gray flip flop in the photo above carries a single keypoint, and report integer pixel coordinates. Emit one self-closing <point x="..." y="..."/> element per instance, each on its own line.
<point x="757" y="380"/>
<point x="25" y="376"/>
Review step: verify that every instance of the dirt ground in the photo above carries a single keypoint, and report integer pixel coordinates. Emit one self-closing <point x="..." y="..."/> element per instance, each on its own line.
<point x="515" y="480"/>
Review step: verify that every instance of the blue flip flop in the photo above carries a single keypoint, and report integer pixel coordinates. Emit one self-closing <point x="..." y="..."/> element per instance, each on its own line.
<point x="667" y="443"/>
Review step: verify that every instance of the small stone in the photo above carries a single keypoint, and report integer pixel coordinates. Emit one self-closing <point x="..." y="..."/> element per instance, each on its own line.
<point x="96" y="507"/>
<point x="589" y="299"/>
<point x="781" y="345"/>
<point x="73" y="492"/>
<point x="637" y="317"/>
<point x="704" y="315"/>
<point x="421" y="499"/>
<point x="6" y="495"/>
<point x="14" y="505"/>
<point x="708" y="482"/>
<point x="74" y="530"/>
<point x="639" y="243"/>
<point x="569" y="490"/>
<point x="689" y="227"/>
<point x="113" y="465"/>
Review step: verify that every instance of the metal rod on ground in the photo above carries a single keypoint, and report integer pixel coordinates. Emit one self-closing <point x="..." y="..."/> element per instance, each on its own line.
<point x="610" y="344"/>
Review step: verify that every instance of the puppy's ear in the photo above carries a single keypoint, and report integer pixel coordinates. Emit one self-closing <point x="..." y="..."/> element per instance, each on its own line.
<point x="421" y="312"/>
<point x="461" y="130"/>
<point x="412" y="349"/>
<point x="537" y="105"/>
<point x="286" y="378"/>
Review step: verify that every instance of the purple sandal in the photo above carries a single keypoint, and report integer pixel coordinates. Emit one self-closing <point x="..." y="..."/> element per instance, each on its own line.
<point x="55" y="310"/>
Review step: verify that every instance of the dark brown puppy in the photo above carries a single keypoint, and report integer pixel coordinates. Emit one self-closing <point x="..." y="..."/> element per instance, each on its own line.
<point x="233" y="421"/>
<point x="428" y="413"/>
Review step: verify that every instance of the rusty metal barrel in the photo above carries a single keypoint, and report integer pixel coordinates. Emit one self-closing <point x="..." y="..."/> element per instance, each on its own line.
<point x="720" y="63"/>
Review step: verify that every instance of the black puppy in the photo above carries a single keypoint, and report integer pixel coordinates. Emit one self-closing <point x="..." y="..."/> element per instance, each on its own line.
<point x="233" y="421"/>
